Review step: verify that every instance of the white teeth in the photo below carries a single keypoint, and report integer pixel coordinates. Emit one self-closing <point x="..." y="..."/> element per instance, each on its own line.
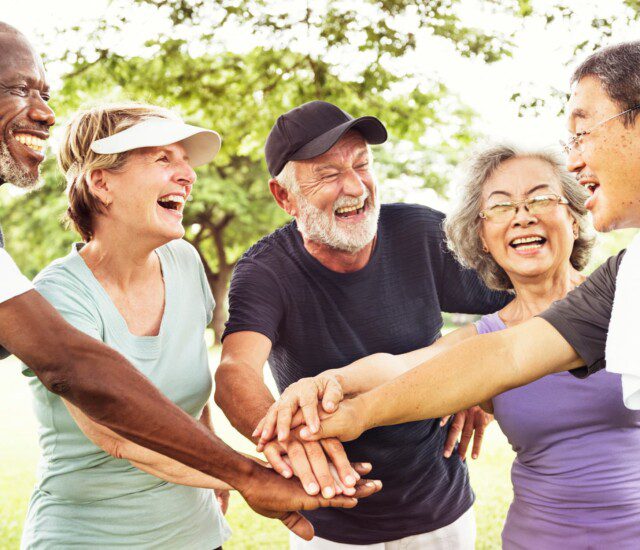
<point x="172" y="198"/>
<point x="527" y="240"/>
<point x="30" y="141"/>
<point x="529" y="246"/>
<point x="345" y="209"/>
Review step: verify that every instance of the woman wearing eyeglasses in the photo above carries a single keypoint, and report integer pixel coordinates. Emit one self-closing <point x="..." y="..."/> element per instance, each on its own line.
<point x="521" y="223"/>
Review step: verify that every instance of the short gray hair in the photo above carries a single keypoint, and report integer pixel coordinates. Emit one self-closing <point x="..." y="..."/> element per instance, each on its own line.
<point x="618" y="69"/>
<point x="462" y="225"/>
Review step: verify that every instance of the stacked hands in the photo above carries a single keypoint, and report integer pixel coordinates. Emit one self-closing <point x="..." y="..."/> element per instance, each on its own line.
<point x="301" y="433"/>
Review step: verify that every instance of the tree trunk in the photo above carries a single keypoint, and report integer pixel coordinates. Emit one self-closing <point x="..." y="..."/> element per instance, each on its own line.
<point x="220" y="289"/>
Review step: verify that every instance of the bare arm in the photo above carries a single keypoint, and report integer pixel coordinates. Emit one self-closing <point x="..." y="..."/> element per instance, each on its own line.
<point x="109" y="390"/>
<point x="145" y="459"/>
<point x="244" y="398"/>
<point x="470" y="372"/>
<point x="367" y="373"/>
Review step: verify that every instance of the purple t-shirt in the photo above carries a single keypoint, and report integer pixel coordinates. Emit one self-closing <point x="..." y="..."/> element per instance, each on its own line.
<point x="576" y="476"/>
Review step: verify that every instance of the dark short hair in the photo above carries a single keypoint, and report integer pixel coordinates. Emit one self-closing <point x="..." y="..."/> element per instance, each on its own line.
<point x="618" y="69"/>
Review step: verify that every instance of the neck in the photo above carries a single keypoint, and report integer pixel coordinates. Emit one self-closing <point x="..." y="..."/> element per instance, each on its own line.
<point x="120" y="260"/>
<point x="535" y="295"/>
<point x="339" y="260"/>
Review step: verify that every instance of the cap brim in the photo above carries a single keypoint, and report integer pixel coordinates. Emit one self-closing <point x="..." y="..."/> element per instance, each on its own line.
<point x="201" y="145"/>
<point x="372" y="130"/>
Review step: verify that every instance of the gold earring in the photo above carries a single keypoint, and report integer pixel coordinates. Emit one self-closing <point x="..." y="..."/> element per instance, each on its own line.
<point x="484" y="248"/>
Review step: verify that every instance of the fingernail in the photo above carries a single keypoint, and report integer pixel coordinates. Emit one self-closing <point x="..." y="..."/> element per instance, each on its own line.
<point x="447" y="454"/>
<point x="286" y="474"/>
<point x="330" y="405"/>
<point x="370" y="484"/>
<point x="349" y="491"/>
<point x="327" y="492"/>
<point x="255" y="432"/>
<point x="264" y="434"/>
<point x="281" y="435"/>
<point x="312" y="488"/>
<point x="350" y="480"/>
<point x="314" y="427"/>
<point x="474" y="456"/>
<point x="305" y="432"/>
<point x="378" y="483"/>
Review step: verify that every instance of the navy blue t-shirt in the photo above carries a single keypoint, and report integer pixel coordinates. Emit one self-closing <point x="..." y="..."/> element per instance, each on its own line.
<point x="318" y="319"/>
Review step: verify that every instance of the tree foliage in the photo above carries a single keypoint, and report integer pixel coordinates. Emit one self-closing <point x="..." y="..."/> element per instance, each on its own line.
<point x="284" y="54"/>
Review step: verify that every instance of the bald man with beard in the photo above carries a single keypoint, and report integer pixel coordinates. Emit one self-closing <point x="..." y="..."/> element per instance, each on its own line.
<point x="84" y="371"/>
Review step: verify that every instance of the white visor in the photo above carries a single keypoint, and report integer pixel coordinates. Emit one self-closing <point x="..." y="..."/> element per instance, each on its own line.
<point x="201" y="145"/>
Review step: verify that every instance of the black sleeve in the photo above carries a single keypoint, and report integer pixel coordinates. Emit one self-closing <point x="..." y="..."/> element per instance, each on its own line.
<point x="255" y="300"/>
<point x="582" y="317"/>
<point x="462" y="291"/>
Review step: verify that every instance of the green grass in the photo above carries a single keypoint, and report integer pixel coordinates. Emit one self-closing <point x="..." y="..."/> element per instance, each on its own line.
<point x="19" y="457"/>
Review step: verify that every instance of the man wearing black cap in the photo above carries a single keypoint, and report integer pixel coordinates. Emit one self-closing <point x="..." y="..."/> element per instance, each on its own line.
<point x="348" y="278"/>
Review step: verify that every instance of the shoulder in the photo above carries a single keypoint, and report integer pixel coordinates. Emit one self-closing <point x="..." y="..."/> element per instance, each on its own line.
<point x="180" y="250"/>
<point x="412" y="220"/>
<point x="63" y="273"/>
<point x="273" y="245"/>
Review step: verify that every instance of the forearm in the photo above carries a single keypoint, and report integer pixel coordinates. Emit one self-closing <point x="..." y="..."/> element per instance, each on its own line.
<point x="242" y="395"/>
<point x="469" y="373"/>
<point x="371" y="371"/>
<point x="110" y="390"/>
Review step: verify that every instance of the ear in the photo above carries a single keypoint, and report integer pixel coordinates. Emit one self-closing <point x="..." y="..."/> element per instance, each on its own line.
<point x="576" y="228"/>
<point x="283" y="197"/>
<point x="485" y="248"/>
<point x="99" y="186"/>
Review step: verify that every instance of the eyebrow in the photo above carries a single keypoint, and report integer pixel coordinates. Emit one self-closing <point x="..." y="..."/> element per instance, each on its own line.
<point x="33" y="82"/>
<point x="165" y="151"/>
<point x="578" y="113"/>
<point x="507" y="194"/>
<point x="329" y="165"/>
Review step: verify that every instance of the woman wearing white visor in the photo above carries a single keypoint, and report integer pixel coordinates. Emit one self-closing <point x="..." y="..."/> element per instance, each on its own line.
<point x="138" y="287"/>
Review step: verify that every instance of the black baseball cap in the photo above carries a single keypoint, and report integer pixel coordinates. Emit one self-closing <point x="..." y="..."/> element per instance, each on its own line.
<point x="311" y="130"/>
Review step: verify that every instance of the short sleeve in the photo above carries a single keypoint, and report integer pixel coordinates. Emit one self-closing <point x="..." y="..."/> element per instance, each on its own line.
<point x="255" y="300"/>
<point x="12" y="281"/>
<point x="462" y="290"/>
<point x="582" y="317"/>
<point x="73" y="305"/>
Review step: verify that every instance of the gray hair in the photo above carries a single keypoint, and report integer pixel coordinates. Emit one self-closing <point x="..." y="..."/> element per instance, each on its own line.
<point x="618" y="69"/>
<point x="462" y="225"/>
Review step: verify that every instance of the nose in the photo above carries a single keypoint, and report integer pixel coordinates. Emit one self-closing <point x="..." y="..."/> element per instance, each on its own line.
<point x="185" y="174"/>
<point x="352" y="185"/>
<point x="40" y="112"/>
<point x="575" y="162"/>
<point x="523" y="218"/>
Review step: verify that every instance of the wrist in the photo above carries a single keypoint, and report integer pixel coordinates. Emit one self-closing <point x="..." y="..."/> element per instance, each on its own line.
<point x="364" y="412"/>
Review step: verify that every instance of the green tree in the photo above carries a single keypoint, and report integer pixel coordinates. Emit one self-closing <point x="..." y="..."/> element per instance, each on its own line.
<point x="348" y="53"/>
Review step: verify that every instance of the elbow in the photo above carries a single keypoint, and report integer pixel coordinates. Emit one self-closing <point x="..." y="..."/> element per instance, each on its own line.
<point x="117" y="449"/>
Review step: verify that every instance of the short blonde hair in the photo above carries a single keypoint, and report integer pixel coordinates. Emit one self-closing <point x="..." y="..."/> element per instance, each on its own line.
<point x="77" y="160"/>
<point x="462" y="225"/>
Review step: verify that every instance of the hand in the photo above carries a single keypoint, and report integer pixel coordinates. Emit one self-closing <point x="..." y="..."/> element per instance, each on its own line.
<point x="312" y="462"/>
<point x="222" y="496"/>
<point x="469" y="423"/>
<point x="272" y="496"/>
<point x="346" y="424"/>
<point x="303" y="394"/>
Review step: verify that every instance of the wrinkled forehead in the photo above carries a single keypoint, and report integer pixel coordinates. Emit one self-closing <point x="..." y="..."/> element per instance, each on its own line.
<point x="589" y="102"/>
<point x="520" y="177"/>
<point x="19" y="57"/>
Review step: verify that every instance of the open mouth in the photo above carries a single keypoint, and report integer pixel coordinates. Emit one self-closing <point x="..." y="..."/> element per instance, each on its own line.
<point x="172" y="202"/>
<point x="590" y="186"/>
<point x="352" y="210"/>
<point x="528" y="243"/>
<point x="30" y="141"/>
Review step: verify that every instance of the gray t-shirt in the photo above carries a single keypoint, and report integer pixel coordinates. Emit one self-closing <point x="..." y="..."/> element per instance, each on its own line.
<point x="582" y="317"/>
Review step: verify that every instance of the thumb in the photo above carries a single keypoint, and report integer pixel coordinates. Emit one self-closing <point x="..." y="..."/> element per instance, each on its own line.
<point x="298" y="525"/>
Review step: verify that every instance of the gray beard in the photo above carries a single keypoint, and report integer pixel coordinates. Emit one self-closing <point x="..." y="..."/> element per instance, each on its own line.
<point x="317" y="226"/>
<point x="12" y="172"/>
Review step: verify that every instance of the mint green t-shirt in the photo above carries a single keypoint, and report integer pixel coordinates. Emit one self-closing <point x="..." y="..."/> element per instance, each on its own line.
<point x="85" y="498"/>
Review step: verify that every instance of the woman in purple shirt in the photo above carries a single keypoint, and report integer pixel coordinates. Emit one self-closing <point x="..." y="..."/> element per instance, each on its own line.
<point x="521" y="223"/>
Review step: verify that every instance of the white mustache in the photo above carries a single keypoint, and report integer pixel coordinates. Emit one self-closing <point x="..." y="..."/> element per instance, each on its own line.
<point x="345" y="201"/>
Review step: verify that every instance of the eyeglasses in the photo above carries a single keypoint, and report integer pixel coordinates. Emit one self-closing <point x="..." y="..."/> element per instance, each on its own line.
<point x="575" y="141"/>
<point x="505" y="211"/>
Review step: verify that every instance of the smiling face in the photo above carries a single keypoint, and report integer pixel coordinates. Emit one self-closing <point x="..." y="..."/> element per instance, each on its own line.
<point x="25" y="117"/>
<point x="336" y="202"/>
<point x="528" y="245"/>
<point x="147" y="196"/>
<point x="609" y="164"/>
